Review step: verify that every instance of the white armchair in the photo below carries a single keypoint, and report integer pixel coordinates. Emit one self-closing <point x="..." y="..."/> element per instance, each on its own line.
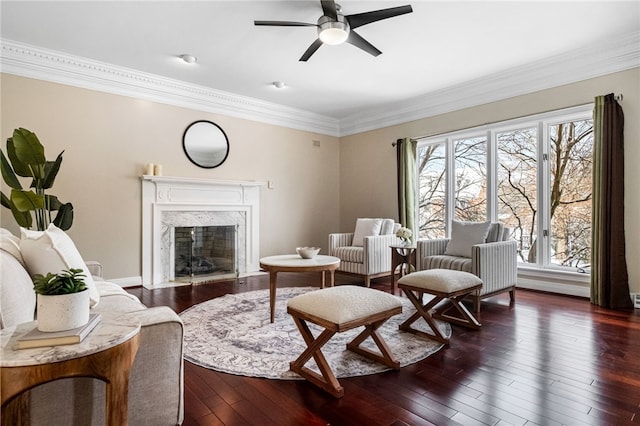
<point x="494" y="260"/>
<point x="365" y="252"/>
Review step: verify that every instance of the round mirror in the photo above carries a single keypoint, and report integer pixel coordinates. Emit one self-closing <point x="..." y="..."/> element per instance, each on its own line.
<point x="205" y="144"/>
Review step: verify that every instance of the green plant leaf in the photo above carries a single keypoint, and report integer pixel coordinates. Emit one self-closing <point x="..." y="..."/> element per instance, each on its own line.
<point x="65" y="282"/>
<point x="29" y="151"/>
<point x="20" y="168"/>
<point x="8" y="174"/>
<point x="23" y="219"/>
<point x="64" y="218"/>
<point x="51" y="171"/>
<point x="26" y="200"/>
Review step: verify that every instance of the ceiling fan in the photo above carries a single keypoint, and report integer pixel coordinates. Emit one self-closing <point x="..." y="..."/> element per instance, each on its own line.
<point x="335" y="28"/>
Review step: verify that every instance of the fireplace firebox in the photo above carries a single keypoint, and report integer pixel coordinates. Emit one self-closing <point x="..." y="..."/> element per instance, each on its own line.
<point x="204" y="252"/>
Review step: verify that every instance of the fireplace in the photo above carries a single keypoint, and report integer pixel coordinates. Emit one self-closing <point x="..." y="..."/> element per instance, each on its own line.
<point x="204" y="252"/>
<point x="197" y="230"/>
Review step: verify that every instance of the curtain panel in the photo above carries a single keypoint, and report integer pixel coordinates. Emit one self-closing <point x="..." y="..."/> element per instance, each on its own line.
<point x="609" y="278"/>
<point x="406" y="161"/>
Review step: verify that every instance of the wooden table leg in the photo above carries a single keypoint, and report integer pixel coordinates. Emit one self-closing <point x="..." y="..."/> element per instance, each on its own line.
<point x="272" y="293"/>
<point x="332" y="274"/>
<point x="322" y="275"/>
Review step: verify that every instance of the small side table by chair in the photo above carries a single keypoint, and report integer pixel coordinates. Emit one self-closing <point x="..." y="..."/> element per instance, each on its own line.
<point x="405" y="258"/>
<point x="107" y="353"/>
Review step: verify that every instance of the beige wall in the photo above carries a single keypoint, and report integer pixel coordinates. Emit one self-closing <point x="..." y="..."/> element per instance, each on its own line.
<point x="108" y="139"/>
<point x="367" y="167"/>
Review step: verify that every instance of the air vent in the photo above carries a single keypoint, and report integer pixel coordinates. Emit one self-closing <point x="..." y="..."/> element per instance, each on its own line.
<point x="636" y="300"/>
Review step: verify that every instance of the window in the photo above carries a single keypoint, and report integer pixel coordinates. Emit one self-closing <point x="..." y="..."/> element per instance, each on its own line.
<point x="532" y="174"/>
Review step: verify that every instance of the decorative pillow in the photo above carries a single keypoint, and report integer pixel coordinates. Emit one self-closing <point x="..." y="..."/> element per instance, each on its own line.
<point x="11" y="244"/>
<point x="366" y="228"/>
<point x="464" y="235"/>
<point x="53" y="251"/>
<point x="387" y="227"/>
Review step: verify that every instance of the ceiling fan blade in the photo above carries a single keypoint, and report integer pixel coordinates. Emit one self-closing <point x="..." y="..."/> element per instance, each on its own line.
<point x="284" y="24"/>
<point x="311" y="50"/>
<point x="360" y="19"/>
<point x="329" y="9"/>
<point x="358" y="41"/>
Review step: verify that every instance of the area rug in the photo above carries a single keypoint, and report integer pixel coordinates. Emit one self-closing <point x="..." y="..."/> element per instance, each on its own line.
<point x="232" y="334"/>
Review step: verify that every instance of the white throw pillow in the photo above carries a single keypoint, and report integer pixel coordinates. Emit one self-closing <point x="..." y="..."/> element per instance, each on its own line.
<point x="464" y="235"/>
<point x="53" y="251"/>
<point x="11" y="244"/>
<point x="366" y="227"/>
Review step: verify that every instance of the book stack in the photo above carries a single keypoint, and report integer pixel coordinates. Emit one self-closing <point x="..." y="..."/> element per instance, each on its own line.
<point x="37" y="339"/>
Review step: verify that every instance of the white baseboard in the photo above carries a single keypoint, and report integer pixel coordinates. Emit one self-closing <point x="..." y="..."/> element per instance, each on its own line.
<point x="126" y="282"/>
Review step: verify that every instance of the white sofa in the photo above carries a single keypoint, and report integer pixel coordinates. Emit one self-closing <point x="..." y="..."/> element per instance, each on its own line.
<point x="156" y="382"/>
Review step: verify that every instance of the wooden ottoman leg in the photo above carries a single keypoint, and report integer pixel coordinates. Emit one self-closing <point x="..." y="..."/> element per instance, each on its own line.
<point x="326" y="380"/>
<point x="385" y="357"/>
<point x="466" y="318"/>
<point x="422" y="311"/>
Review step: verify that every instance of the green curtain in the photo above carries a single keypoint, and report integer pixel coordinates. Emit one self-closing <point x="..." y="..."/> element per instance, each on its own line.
<point x="406" y="159"/>
<point x="609" y="278"/>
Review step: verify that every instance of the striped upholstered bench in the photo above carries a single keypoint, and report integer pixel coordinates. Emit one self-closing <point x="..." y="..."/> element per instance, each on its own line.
<point x="339" y="309"/>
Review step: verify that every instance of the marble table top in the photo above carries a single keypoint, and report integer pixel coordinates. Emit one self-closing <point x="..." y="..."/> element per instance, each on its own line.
<point x="107" y="334"/>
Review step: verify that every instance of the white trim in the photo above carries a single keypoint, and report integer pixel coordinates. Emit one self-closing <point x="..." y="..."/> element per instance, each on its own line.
<point x="592" y="61"/>
<point x="581" y="64"/>
<point x="58" y="67"/>
<point x="126" y="281"/>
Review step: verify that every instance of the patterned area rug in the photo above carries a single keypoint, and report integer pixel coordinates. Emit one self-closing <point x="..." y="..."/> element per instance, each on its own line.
<point x="232" y="334"/>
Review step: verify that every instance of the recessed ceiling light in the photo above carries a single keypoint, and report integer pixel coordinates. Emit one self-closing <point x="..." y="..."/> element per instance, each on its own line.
<point x="279" y="84"/>
<point x="189" y="59"/>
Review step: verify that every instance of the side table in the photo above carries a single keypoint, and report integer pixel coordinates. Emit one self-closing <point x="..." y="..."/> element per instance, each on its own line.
<point x="107" y="353"/>
<point x="403" y="257"/>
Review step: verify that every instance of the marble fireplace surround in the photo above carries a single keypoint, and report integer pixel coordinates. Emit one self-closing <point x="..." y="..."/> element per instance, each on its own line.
<point x="174" y="201"/>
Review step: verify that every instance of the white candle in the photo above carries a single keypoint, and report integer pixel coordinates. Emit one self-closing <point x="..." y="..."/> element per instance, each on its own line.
<point x="149" y="169"/>
<point x="157" y="170"/>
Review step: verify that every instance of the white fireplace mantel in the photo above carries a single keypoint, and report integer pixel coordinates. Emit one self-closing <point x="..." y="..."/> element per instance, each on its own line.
<point x="162" y="194"/>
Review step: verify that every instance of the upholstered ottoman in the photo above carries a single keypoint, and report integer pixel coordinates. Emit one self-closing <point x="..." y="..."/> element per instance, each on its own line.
<point x="339" y="309"/>
<point x="443" y="284"/>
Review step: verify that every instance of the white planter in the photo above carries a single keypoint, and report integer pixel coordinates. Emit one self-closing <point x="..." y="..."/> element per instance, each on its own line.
<point x="63" y="312"/>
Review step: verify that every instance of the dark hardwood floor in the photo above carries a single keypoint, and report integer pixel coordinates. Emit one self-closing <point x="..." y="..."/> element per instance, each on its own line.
<point x="545" y="360"/>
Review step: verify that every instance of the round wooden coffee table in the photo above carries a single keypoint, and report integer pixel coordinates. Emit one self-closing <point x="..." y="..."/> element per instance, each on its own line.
<point x="294" y="263"/>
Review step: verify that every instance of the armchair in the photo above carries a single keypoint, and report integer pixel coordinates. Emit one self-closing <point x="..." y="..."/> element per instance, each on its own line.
<point x="365" y="252"/>
<point x="492" y="258"/>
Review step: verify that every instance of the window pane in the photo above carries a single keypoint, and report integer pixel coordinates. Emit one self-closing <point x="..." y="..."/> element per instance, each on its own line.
<point x="517" y="188"/>
<point x="570" y="158"/>
<point x="470" y="179"/>
<point x="432" y="185"/>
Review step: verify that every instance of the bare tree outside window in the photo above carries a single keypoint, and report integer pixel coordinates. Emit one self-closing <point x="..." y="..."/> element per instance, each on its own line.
<point x="562" y="206"/>
<point x="470" y="157"/>
<point x="432" y="191"/>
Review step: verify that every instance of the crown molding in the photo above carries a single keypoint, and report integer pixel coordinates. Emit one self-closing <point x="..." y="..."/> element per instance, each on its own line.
<point x="596" y="60"/>
<point x="581" y="64"/>
<point x="34" y="62"/>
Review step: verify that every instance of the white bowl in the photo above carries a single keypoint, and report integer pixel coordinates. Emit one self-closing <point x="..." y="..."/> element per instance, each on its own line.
<point x="307" y="252"/>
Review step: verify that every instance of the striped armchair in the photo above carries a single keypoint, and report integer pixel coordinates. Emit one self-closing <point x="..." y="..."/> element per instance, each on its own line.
<point x="369" y="256"/>
<point x="494" y="262"/>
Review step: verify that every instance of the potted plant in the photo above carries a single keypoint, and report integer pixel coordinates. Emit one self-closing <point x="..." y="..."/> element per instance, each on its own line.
<point x="26" y="159"/>
<point x="63" y="300"/>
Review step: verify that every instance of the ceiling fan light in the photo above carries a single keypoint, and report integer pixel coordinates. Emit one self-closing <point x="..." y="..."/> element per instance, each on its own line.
<point x="334" y="36"/>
